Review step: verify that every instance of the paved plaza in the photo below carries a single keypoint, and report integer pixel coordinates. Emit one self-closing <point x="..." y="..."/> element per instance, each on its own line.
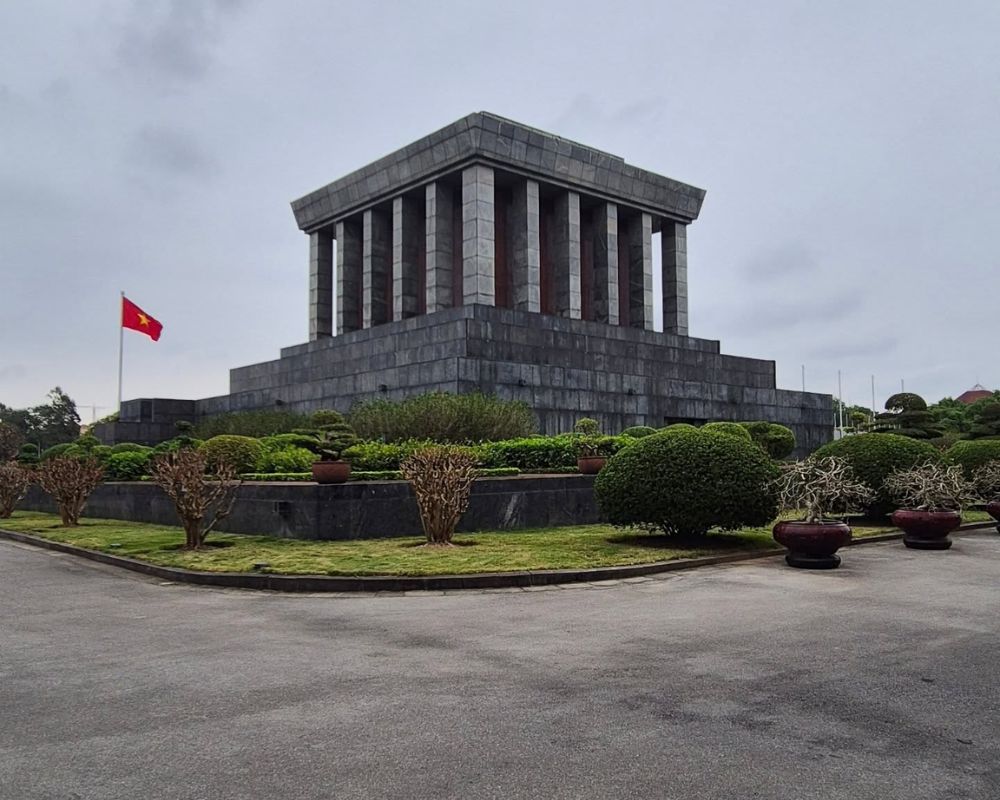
<point x="878" y="680"/>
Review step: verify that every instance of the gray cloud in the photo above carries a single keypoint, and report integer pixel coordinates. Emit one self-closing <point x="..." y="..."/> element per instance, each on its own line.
<point x="171" y="152"/>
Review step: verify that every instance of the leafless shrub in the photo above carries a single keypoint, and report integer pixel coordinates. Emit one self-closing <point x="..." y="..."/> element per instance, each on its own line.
<point x="442" y="481"/>
<point x="69" y="481"/>
<point x="10" y="441"/>
<point x="821" y="487"/>
<point x="202" y="501"/>
<point x="14" y="483"/>
<point x="986" y="482"/>
<point x="931" y="487"/>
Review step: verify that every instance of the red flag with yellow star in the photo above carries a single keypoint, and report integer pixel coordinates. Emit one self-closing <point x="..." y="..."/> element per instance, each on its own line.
<point x="135" y="319"/>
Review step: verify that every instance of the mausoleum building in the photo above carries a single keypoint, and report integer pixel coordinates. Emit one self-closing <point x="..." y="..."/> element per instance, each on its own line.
<point x="490" y="256"/>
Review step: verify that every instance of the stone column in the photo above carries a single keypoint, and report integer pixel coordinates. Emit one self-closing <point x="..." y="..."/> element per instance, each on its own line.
<point x="606" y="263"/>
<point x="525" y="247"/>
<point x="640" y="271"/>
<point x="376" y="267"/>
<point x="673" y="243"/>
<point x="350" y="253"/>
<point x="408" y="240"/>
<point x="566" y="255"/>
<point x="440" y="243"/>
<point x="320" y="284"/>
<point x="478" y="236"/>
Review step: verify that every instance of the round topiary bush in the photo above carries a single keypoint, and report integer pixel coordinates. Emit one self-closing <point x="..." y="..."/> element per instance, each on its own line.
<point x="972" y="454"/>
<point x="774" y="439"/>
<point x="638" y="431"/>
<point x="290" y="459"/>
<point x="327" y="416"/>
<point x="875" y="456"/>
<point x="587" y="426"/>
<point x="241" y="452"/>
<point x="728" y="428"/>
<point x="687" y="482"/>
<point x="130" y="447"/>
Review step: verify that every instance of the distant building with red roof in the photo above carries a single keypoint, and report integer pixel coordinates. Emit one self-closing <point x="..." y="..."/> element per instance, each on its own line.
<point x="977" y="392"/>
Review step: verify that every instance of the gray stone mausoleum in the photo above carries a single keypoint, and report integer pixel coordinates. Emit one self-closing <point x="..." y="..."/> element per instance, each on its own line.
<point x="490" y="256"/>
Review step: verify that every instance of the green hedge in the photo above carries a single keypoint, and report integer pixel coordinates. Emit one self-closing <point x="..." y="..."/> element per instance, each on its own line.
<point x="382" y="455"/>
<point x="973" y="454"/>
<point x="289" y="459"/>
<point x="363" y="475"/>
<point x="729" y="429"/>
<point x="638" y="431"/>
<point x="874" y="456"/>
<point x="687" y="482"/>
<point x="542" y="454"/>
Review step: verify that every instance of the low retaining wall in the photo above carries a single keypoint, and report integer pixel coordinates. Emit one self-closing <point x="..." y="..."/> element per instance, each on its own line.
<point x="356" y="510"/>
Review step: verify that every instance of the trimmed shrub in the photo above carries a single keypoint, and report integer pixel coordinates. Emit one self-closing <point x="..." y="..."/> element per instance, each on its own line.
<point x="28" y="455"/>
<point x="679" y="426"/>
<point x="326" y="416"/>
<point x="177" y="443"/>
<point x="440" y="417"/>
<point x="251" y="423"/>
<point x="130" y="447"/>
<point x="875" y="456"/>
<point x="281" y="441"/>
<point x="441" y="478"/>
<point x="729" y="429"/>
<point x="774" y="439"/>
<point x="241" y="453"/>
<point x="638" y="431"/>
<point x="686" y="482"/>
<point x="379" y="456"/>
<point x="973" y="454"/>
<point x="986" y="424"/>
<point x="385" y="475"/>
<point x="290" y="459"/>
<point x="550" y="452"/>
<point x="906" y="415"/>
<point x="129" y="465"/>
<point x="55" y="451"/>
<point x="587" y="427"/>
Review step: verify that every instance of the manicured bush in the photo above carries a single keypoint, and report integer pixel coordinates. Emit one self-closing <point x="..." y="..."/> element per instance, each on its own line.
<point x="875" y="456"/>
<point x="679" y="426"/>
<point x="69" y="481"/>
<point x="729" y="429"/>
<point x="326" y="416"/>
<point x="241" y="453"/>
<point x="381" y="455"/>
<point x="290" y="459"/>
<point x="363" y="475"/>
<point x="28" y="455"/>
<point x="441" y="478"/>
<point x="334" y="439"/>
<point x="687" y="482"/>
<point x="251" y="423"/>
<point x="587" y="427"/>
<point x="973" y="454"/>
<point x="55" y="451"/>
<point x="906" y="415"/>
<point x="774" y="439"/>
<point x="177" y="443"/>
<point x="281" y="441"/>
<point x="638" y="431"/>
<point x="986" y="424"/>
<point x="130" y="447"/>
<point x="130" y="465"/>
<point x="439" y="417"/>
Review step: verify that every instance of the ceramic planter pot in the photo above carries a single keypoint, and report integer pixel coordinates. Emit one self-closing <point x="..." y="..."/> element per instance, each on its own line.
<point x="993" y="509"/>
<point x="926" y="530"/>
<point x="812" y="545"/>
<point x="331" y="471"/>
<point x="590" y="465"/>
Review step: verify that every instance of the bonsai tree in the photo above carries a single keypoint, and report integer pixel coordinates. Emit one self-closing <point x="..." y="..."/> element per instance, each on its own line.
<point x="906" y="414"/>
<point x="14" y="483"/>
<point x="181" y="475"/>
<point x="930" y="487"/>
<point x="587" y="427"/>
<point x="69" y="481"/>
<point x="821" y="488"/>
<point x="441" y="478"/>
<point x="333" y="440"/>
<point x="986" y="482"/>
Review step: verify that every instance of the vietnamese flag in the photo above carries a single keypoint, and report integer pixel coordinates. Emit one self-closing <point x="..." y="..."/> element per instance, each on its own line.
<point x="135" y="319"/>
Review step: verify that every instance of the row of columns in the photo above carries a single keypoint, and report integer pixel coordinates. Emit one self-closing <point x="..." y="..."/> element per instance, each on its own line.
<point x="401" y="263"/>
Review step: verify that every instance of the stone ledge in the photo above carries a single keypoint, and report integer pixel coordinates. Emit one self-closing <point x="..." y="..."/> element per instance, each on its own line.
<point x="483" y="580"/>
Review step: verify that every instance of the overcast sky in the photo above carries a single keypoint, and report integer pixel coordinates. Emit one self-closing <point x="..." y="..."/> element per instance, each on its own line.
<point x="850" y="151"/>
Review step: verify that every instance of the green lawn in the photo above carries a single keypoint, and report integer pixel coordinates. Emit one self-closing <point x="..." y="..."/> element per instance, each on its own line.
<point x="553" y="548"/>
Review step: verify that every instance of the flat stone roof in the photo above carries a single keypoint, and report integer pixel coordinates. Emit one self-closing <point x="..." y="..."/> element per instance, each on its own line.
<point x="509" y="145"/>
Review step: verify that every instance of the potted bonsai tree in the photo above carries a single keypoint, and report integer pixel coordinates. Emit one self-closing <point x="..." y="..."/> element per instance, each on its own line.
<point x="931" y="497"/>
<point x="588" y="452"/>
<point x="986" y="481"/>
<point x="332" y="441"/>
<point x="820" y="488"/>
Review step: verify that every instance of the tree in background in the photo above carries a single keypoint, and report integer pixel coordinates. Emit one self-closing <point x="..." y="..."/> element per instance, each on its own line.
<point x="986" y="422"/>
<point x="906" y="414"/>
<point x="47" y="424"/>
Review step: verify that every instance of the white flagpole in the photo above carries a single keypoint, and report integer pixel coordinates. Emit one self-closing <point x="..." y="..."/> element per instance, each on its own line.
<point x="121" y="349"/>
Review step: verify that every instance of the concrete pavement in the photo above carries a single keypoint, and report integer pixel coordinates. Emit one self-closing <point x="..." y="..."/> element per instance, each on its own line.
<point x="878" y="680"/>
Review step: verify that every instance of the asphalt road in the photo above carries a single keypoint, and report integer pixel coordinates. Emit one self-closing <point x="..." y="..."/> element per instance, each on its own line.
<point x="879" y="680"/>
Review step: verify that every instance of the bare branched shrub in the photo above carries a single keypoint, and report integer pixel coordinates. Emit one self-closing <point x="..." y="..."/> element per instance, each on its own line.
<point x="442" y="481"/>
<point x="14" y="483"/>
<point x="986" y="482"/>
<point x="931" y="487"/>
<point x="10" y="442"/>
<point x="821" y="487"/>
<point x="69" y="481"/>
<point x="202" y="501"/>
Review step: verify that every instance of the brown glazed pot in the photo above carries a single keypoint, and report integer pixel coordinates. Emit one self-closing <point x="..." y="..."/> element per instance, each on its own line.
<point x="993" y="509"/>
<point x="812" y="545"/>
<point x="926" y="530"/>
<point x="331" y="471"/>
<point x="590" y="465"/>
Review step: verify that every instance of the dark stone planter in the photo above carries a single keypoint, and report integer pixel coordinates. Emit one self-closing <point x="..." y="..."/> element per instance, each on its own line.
<point x="993" y="509"/>
<point x="926" y="530"/>
<point x="590" y="465"/>
<point x="327" y="472"/>
<point x="812" y="545"/>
